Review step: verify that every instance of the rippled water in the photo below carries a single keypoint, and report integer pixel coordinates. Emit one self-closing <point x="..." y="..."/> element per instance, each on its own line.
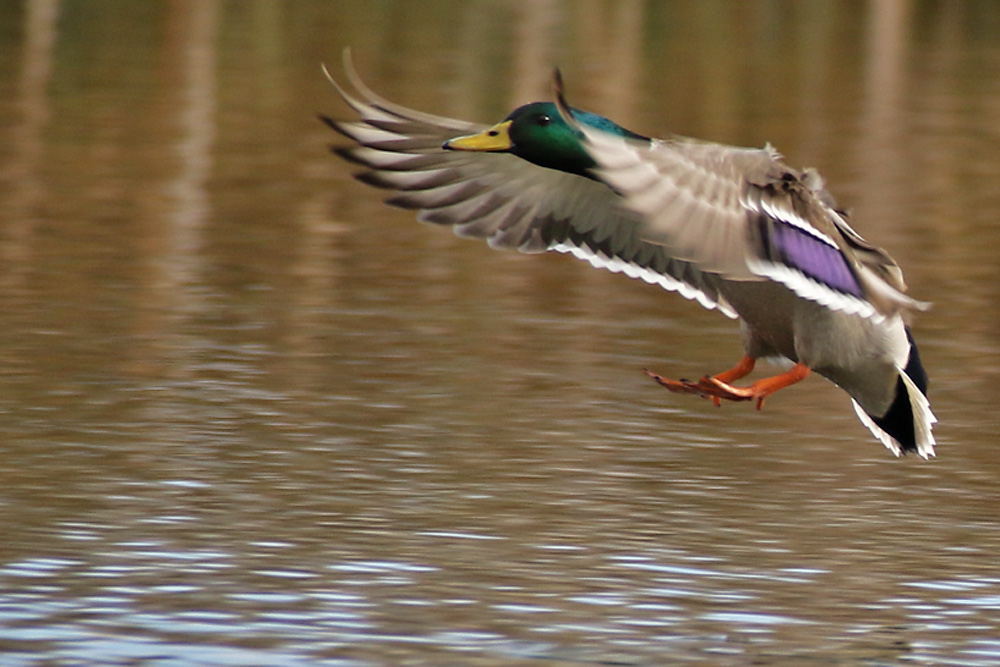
<point x="249" y="415"/>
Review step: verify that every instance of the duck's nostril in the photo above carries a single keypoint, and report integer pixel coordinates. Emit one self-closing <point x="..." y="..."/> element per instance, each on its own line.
<point x="492" y="133"/>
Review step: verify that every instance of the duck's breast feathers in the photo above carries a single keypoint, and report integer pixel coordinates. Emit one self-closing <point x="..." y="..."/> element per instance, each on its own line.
<point x="744" y="214"/>
<point x="502" y="198"/>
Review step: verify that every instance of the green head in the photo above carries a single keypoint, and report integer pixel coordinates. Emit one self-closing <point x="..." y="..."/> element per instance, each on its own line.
<point x="537" y="133"/>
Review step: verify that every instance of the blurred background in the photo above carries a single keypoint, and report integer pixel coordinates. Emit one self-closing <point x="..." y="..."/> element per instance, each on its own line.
<point x="251" y="415"/>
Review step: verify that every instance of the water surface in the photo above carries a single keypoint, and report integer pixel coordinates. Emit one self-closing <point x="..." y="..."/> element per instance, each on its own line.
<point x="250" y="415"/>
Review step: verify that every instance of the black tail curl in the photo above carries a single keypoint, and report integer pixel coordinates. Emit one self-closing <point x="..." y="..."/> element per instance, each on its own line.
<point x="898" y="419"/>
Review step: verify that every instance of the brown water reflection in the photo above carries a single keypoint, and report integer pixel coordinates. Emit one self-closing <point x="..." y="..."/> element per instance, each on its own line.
<point x="249" y="415"/>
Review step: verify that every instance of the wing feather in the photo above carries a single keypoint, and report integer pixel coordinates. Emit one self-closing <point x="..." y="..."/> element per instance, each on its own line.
<point x="744" y="215"/>
<point x="503" y="199"/>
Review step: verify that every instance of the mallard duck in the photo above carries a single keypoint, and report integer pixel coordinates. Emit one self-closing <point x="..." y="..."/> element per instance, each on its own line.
<point x="735" y="229"/>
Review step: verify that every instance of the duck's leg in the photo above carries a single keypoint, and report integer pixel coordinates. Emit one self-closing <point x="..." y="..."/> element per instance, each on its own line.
<point x="718" y="387"/>
<point x="742" y="368"/>
<point x="706" y="386"/>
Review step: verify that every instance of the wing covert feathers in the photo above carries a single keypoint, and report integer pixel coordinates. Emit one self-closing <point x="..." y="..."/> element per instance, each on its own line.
<point x="743" y="214"/>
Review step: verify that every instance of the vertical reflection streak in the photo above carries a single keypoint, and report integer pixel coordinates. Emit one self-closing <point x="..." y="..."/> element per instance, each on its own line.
<point x="881" y="153"/>
<point x="173" y="293"/>
<point x="196" y="120"/>
<point x="19" y="214"/>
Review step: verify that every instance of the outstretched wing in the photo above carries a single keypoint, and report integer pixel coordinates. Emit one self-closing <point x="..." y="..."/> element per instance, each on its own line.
<point x="499" y="197"/>
<point x="743" y="214"/>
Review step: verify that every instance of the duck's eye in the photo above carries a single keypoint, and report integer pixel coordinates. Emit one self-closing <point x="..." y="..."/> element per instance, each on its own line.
<point x="544" y="120"/>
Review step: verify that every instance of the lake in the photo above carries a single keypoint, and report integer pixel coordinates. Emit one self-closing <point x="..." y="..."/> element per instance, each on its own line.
<point x="250" y="415"/>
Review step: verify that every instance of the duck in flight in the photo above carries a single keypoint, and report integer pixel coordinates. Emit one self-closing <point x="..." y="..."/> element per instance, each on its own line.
<point x="735" y="229"/>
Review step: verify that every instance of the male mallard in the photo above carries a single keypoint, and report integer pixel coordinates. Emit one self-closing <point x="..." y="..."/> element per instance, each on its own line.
<point x="733" y="228"/>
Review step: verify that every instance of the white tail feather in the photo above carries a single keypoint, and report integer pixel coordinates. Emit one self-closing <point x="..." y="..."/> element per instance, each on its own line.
<point x="923" y="421"/>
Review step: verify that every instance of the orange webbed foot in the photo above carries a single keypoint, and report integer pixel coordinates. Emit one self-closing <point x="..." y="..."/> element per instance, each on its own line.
<point x="704" y="387"/>
<point x="718" y="388"/>
<point x="677" y="386"/>
<point x="723" y="390"/>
